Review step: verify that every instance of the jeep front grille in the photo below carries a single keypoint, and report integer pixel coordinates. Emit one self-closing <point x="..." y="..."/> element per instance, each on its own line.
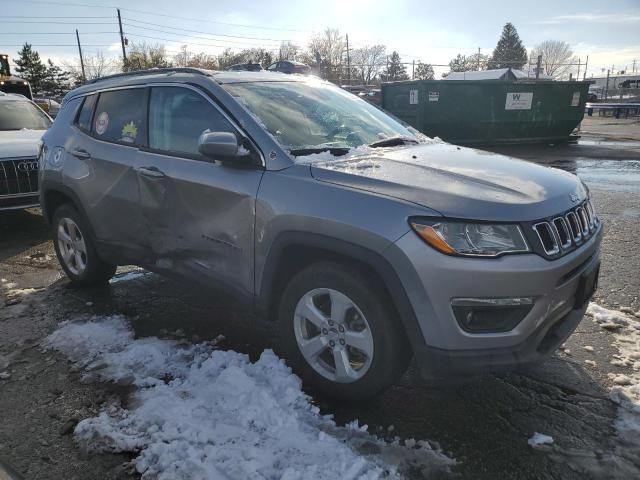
<point x="18" y="176"/>
<point x="547" y="237"/>
<point x="562" y="234"/>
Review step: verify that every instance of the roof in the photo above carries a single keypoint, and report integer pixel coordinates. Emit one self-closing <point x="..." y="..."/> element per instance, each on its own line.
<point x="12" y="97"/>
<point x="497" y="74"/>
<point x="181" y="74"/>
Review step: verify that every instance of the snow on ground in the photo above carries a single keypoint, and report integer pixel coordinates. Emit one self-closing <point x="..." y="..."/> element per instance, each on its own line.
<point x="538" y="439"/>
<point x="202" y="413"/>
<point x="130" y="275"/>
<point x="626" y="393"/>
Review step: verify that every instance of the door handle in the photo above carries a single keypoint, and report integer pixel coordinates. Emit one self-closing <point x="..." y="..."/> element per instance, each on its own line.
<point x="82" y="154"/>
<point x="153" y="172"/>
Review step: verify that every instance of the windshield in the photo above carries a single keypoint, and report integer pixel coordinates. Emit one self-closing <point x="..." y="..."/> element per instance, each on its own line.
<point x="16" y="115"/>
<point x="303" y="115"/>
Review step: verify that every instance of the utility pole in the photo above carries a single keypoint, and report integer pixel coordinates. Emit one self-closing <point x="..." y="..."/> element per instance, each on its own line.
<point x="606" y="88"/>
<point x="124" y="52"/>
<point x="348" y="62"/>
<point x="84" y="77"/>
<point x="578" y="76"/>
<point x="586" y="64"/>
<point x="413" y="70"/>
<point x="538" y="66"/>
<point x="478" y="58"/>
<point x="634" y="65"/>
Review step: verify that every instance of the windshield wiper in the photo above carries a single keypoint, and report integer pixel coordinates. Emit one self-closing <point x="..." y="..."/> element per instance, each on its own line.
<point x="336" y="151"/>
<point x="393" y="141"/>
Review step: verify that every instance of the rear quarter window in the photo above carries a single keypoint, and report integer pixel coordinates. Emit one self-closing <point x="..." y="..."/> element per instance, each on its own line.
<point x="86" y="112"/>
<point x="120" y="116"/>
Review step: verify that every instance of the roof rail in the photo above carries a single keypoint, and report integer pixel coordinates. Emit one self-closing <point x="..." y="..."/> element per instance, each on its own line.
<point x="150" y="71"/>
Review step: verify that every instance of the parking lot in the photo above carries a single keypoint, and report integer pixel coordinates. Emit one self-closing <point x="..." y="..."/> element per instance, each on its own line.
<point x="483" y="425"/>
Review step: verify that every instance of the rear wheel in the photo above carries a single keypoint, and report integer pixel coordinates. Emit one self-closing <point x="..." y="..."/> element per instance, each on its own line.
<point x="76" y="250"/>
<point x="340" y="333"/>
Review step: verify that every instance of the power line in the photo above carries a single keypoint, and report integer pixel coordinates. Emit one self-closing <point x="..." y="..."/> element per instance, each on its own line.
<point x="56" y="33"/>
<point x="179" y="34"/>
<point x="179" y="41"/>
<point x="51" y="16"/>
<point x="61" y="23"/>
<point x="197" y="31"/>
<point x="54" y="45"/>
<point x="260" y="27"/>
<point x="173" y="17"/>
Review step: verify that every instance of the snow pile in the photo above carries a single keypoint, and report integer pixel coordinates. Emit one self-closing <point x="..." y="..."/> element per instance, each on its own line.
<point x="330" y="157"/>
<point x="538" y="439"/>
<point x="201" y="413"/>
<point x="627" y="390"/>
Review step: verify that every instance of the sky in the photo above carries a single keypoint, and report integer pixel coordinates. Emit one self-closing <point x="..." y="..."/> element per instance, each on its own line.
<point x="425" y="30"/>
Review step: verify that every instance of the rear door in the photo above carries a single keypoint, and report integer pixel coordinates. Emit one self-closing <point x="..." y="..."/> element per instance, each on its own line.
<point x="109" y="130"/>
<point x="198" y="212"/>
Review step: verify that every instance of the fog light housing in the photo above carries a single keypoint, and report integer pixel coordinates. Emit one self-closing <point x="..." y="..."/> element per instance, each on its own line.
<point x="490" y="315"/>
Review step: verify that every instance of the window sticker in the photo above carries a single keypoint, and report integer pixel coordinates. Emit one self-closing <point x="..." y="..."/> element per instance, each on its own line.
<point x="129" y="133"/>
<point x="102" y="122"/>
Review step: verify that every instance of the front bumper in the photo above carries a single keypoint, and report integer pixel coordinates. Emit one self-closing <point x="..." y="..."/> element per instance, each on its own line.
<point x="431" y="280"/>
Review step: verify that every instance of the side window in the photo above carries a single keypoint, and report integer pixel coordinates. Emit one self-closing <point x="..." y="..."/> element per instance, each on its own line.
<point x="273" y="66"/>
<point x="120" y="116"/>
<point x="86" y="112"/>
<point x="177" y="118"/>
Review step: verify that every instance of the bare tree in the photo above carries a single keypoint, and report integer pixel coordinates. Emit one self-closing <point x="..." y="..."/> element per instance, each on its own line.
<point x="288" y="51"/>
<point x="185" y="58"/>
<point x="556" y="57"/>
<point x="143" y="55"/>
<point x="367" y="62"/>
<point x="326" y="50"/>
<point x="95" y="66"/>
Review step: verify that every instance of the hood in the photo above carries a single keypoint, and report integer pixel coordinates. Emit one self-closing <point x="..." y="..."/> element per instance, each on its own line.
<point x="19" y="143"/>
<point x="458" y="182"/>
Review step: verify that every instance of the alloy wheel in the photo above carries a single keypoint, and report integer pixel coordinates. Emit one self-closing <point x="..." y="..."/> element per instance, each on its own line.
<point x="333" y="335"/>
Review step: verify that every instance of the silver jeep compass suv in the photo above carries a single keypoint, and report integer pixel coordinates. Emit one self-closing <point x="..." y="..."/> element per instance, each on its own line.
<point x="364" y="242"/>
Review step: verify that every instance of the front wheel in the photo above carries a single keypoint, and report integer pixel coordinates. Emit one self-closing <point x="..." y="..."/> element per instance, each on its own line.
<point x="75" y="249"/>
<point x="340" y="333"/>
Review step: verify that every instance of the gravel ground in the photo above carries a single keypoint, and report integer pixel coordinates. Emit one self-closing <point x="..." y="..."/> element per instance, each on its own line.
<point x="484" y="424"/>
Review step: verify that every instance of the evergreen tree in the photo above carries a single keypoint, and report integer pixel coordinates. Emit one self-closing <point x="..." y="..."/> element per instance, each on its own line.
<point x="30" y="67"/>
<point x="424" y="71"/>
<point x="509" y="51"/>
<point x="395" y="69"/>
<point x="56" y="81"/>
<point x="459" y="64"/>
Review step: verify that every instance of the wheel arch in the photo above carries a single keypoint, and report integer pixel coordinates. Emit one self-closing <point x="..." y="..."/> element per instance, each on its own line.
<point x="53" y="196"/>
<point x="293" y="251"/>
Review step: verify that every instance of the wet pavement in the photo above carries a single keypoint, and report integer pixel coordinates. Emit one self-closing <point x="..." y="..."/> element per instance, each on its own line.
<point x="484" y="424"/>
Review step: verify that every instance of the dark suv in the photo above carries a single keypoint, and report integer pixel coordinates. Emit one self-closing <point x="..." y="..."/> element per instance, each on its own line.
<point x="289" y="66"/>
<point x="361" y="241"/>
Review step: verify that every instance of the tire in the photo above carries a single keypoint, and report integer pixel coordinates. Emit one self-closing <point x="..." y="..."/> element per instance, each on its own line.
<point x="76" y="250"/>
<point x="328" y="285"/>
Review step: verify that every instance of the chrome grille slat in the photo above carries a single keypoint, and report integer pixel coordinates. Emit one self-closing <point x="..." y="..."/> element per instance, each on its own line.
<point x="569" y="231"/>
<point x="584" y="223"/>
<point x="17" y="176"/>
<point x="574" y="224"/>
<point x="562" y="230"/>
<point x="547" y="237"/>
<point x="15" y="180"/>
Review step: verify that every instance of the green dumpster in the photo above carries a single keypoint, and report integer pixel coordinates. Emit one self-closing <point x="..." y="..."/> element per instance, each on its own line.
<point x="488" y="111"/>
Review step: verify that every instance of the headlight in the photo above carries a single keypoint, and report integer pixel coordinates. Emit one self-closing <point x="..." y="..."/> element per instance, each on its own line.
<point x="471" y="239"/>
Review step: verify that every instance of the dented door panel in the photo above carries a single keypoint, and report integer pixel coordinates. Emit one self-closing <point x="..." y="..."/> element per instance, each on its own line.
<point x="198" y="217"/>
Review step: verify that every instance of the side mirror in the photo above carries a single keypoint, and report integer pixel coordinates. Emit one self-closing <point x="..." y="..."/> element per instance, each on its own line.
<point x="221" y="146"/>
